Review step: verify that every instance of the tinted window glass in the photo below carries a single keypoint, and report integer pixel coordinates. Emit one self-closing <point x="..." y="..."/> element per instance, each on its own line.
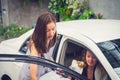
<point x="111" y="50"/>
<point x="24" y="47"/>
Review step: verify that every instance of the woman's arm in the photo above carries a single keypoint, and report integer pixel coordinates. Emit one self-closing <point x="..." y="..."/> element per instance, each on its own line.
<point x="33" y="67"/>
<point x="33" y="72"/>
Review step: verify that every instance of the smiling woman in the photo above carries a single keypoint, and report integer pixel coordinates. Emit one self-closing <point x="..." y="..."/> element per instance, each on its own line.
<point x="89" y="67"/>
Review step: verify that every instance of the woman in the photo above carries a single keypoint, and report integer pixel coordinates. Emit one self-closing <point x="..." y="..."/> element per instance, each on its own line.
<point x="89" y="67"/>
<point x="41" y="42"/>
<point x="91" y="62"/>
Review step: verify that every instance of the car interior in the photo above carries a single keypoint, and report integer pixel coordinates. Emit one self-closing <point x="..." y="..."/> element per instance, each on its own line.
<point x="73" y="51"/>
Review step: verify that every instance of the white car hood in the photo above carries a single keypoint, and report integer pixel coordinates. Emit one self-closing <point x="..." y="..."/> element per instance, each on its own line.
<point x="9" y="45"/>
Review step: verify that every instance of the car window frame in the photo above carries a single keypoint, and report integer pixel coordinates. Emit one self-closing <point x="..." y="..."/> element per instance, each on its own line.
<point x="64" y="47"/>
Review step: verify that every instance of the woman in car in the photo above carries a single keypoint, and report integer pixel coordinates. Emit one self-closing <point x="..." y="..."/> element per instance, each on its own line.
<point x="89" y="67"/>
<point x="41" y="44"/>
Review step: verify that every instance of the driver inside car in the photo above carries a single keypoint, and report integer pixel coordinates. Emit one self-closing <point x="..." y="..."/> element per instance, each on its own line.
<point x="89" y="67"/>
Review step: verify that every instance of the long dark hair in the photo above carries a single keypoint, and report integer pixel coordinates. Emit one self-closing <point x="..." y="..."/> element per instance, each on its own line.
<point x="39" y="34"/>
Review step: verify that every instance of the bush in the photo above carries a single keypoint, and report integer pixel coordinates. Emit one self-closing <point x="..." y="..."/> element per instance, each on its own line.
<point x="12" y="31"/>
<point x="72" y="10"/>
<point x="2" y="30"/>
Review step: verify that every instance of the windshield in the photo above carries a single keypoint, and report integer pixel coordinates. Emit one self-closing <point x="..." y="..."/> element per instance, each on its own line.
<point x="111" y="50"/>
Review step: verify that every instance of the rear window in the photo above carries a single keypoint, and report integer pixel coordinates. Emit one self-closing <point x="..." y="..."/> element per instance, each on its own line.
<point x="111" y="50"/>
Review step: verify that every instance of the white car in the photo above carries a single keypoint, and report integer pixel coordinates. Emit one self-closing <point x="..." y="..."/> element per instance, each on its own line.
<point x="102" y="37"/>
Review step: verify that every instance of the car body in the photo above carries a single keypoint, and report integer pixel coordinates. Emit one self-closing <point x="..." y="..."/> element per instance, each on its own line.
<point x="102" y="37"/>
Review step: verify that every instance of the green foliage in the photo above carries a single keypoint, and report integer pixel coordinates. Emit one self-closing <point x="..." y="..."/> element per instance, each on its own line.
<point x="65" y="13"/>
<point x="72" y="9"/>
<point x="89" y="14"/>
<point x="12" y="31"/>
<point x="2" y="30"/>
<point x="54" y="6"/>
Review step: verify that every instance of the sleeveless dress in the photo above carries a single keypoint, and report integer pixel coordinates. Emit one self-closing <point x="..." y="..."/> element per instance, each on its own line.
<point x="25" y="70"/>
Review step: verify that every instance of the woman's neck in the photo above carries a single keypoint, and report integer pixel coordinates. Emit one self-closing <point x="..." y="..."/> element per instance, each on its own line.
<point x="90" y="72"/>
<point x="90" y="67"/>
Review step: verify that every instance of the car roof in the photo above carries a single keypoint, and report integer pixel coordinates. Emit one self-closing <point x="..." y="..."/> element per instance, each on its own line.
<point x="98" y="30"/>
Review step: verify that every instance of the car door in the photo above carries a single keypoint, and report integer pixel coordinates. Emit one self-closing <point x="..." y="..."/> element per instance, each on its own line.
<point x="12" y="72"/>
<point x="70" y="49"/>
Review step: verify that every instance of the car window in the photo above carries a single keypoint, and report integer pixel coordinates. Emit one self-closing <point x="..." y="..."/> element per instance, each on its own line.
<point x="70" y="50"/>
<point x="111" y="50"/>
<point x="73" y="50"/>
<point x="23" y="49"/>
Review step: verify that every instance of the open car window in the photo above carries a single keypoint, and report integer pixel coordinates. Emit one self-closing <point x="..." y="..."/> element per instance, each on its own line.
<point x="73" y="50"/>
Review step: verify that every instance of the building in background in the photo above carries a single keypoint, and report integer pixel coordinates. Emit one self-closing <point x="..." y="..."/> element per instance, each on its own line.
<point x="14" y="11"/>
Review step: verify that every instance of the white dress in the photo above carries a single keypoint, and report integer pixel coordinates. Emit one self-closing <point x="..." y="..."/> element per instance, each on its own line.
<point x="25" y="74"/>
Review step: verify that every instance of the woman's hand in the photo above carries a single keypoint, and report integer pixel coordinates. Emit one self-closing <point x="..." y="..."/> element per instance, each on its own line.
<point x="63" y="75"/>
<point x="51" y="59"/>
